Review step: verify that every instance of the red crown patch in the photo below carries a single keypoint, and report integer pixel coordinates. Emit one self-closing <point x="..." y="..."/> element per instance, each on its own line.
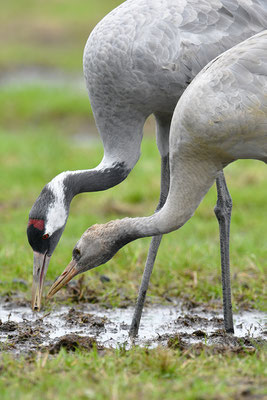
<point x="37" y="223"/>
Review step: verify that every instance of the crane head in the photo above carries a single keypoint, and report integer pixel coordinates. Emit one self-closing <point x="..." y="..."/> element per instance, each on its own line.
<point x="97" y="245"/>
<point x="46" y="224"/>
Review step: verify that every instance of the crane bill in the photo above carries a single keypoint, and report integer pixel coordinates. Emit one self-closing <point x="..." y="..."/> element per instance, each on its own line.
<point x="40" y="265"/>
<point x="70" y="271"/>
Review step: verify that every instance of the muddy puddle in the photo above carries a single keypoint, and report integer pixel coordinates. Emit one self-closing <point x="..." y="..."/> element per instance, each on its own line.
<point x="22" y="331"/>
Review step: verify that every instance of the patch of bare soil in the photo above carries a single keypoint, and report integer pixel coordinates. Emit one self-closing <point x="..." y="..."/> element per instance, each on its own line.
<point x="77" y="317"/>
<point x="72" y="343"/>
<point x="225" y="344"/>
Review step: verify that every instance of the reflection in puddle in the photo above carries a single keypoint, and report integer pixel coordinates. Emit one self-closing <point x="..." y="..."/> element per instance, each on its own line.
<point x="110" y="327"/>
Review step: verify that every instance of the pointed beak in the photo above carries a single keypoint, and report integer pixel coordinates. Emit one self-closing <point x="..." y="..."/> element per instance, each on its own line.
<point x="40" y="265"/>
<point x="70" y="271"/>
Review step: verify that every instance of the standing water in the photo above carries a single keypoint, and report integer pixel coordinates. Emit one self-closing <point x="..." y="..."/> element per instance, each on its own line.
<point x="25" y="330"/>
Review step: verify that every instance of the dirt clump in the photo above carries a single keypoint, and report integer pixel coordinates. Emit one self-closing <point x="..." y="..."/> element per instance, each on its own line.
<point x="77" y="317"/>
<point x="191" y="320"/>
<point x="8" y="326"/>
<point x="218" y="342"/>
<point x="73" y="342"/>
<point x="177" y="342"/>
<point x="199" y="333"/>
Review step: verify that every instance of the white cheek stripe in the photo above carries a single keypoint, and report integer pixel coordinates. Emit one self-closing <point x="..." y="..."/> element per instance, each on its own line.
<point x="57" y="213"/>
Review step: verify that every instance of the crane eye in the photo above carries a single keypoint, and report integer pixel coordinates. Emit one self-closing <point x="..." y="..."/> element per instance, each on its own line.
<point x="76" y="253"/>
<point x="46" y="236"/>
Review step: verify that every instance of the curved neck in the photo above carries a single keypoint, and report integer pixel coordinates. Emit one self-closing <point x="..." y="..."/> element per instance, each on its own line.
<point x="190" y="181"/>
<point x="70" y="183"/>
<point x="94" y="180"/>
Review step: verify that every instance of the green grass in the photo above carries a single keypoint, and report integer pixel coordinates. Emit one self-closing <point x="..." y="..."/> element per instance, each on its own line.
<point x="49" y="33"/>
<point x="136" y="374"/>
<point x="34" y="105"/>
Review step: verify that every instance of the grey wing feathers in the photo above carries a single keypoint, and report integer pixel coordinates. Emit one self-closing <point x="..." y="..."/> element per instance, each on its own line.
<point x="225" y="107"/>
<point x="247" y="61"/>
<point x="183" y="36"/>
<point x="146" y="52"/>
<point x="226" y="24"/>
<point x="234" y="82"/>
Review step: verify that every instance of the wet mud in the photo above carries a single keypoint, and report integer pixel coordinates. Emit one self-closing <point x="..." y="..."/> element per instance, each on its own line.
<point x="87" y="326"/>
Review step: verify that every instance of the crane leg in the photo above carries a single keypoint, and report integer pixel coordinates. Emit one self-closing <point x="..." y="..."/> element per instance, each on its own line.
<point x="153" y="249"/>
<point x="223" y="211"/>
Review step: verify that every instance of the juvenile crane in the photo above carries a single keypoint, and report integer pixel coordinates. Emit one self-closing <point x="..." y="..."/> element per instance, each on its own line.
<point x="138" y="61"/>
<point x="221" y="117"/>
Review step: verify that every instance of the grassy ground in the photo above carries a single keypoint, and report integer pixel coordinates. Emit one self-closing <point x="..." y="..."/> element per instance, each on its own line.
<point x="37" y="136"/>
<point x="136" y="374"/>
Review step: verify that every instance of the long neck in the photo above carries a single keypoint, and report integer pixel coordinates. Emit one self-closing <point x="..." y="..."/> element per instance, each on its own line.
<point x="121" y="140"/>
<point x="101" y="178"/>
<point x="190" y="181"/>
<point x="70" y="183"/>
<point x="121" y="152"/>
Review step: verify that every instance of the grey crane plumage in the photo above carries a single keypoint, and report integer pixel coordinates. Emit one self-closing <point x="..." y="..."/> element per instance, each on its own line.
<point x="138" y="61"/>
<point x="220" y="118"/>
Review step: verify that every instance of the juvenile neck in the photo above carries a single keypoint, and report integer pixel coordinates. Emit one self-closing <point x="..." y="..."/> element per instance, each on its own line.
<point x="189" y="184"/>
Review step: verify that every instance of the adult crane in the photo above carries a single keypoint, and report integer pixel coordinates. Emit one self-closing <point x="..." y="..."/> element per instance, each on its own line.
<point x="220" y="118"/>
<point x="138" y="61"/>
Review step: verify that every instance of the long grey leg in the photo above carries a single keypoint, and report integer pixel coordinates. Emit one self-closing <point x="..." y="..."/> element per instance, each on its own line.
<point x="153" y="250"/>
<point x="223" y="211"/>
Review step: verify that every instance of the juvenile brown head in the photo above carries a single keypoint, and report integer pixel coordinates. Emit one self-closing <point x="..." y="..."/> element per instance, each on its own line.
<point x="97" y="245"/>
